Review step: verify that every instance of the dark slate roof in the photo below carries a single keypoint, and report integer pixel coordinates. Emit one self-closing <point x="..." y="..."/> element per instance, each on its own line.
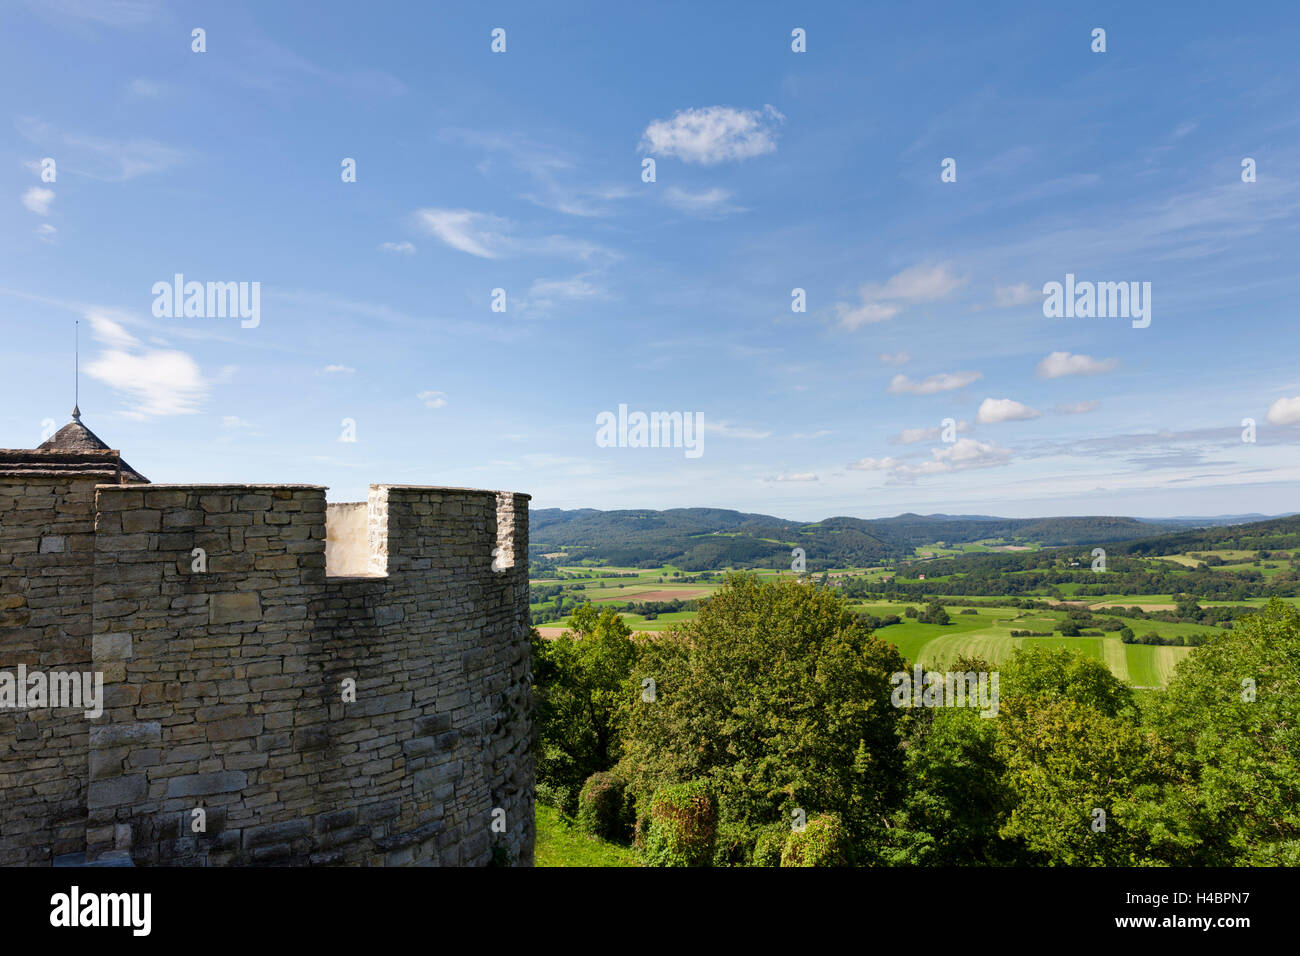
<point x="74" y="451"/>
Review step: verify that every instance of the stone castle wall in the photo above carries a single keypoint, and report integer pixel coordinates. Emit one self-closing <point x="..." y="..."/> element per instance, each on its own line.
<point x="46" y="568"/>
<point x="225" y="688"/>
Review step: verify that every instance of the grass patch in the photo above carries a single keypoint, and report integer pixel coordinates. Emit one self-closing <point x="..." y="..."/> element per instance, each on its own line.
<point x="559" y="843"/>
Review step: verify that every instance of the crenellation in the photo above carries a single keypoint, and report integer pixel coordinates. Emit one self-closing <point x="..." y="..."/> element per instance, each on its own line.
<point x="224" y="688"/>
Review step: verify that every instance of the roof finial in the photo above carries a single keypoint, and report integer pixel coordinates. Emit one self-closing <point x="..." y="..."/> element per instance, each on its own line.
<point x="76" y="372"/>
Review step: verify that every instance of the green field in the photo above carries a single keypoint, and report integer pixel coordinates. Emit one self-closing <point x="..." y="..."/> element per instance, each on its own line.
<point x="985" y="633"/>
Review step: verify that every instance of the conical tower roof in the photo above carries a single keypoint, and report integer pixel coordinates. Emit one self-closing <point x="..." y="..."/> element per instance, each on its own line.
<point x="74" y="449"/>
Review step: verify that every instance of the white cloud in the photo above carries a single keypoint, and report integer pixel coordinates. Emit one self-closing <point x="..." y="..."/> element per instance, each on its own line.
<point x="403" y="247"/>
<point x="881" y="301"/>
<point x="158" y="382"/>
<point x="873" y="464"/>
<point x="38" y="199"/>
<point x="1285" y="411"/>
<point x="433" y="399"/>
<point x="911" y="436"/>
<point x="1019" y="294"/>
<point x="797" y="476"/>
<point x="1063" y="363"/>
<point x="944" y="382"/>
<point x="338" y="370"/>
<point x="708" y="203"/>
<point x="962" y="455"/>
<point x="714" y="134"/>
<point x="464" y="229"/>
<point x="46" y="232"/>
<point x="234" y="421"/>
<point x="994" y="410"/>
<point x="1076" y="408"/>
<point x="895" y="358"/>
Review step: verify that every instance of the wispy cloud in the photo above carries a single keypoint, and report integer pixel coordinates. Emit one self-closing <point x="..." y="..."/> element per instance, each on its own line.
<point x="554" y="176"/>
<point x="156" y="382"/>
<point x="912" y="436"/>
<point x="1011" y="295"/>
<point x="267" y="65"/>
<point x="100" y="158"/>
<point x="492" y="237"/>
<point x="943" y="382"/>
<point x="474" y="232"/>
<point x="728" y="430"/>
<point x="708" y="204"/>
<point x="402" y="248"/>
<point x="873" y="464"/>
<point x="433" y="399"/>
<point x="38" y="199"/>
<point x="964" y="454"/>
<point x="1076" y="408"/>
<point x="882" y="301"/>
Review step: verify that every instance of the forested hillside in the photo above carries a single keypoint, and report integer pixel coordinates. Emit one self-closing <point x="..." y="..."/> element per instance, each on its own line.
<point x="702" y="539"/>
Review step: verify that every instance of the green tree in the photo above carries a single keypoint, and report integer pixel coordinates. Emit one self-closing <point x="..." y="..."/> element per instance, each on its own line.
<point x="934" y="614"/>
<point x="1061" y="674"/>
<point x="579" y="679"/>
<point x="1231" y="714"/>
<point x="779" y="696"/>
<point x="956" y="797"/>
<point x="1087" y="788"/>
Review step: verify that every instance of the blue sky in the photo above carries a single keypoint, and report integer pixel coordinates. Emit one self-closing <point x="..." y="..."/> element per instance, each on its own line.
<point x="775" y="170"/>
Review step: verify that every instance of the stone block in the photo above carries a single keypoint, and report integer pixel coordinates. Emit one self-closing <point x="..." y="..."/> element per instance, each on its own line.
<point x="205" y="784"/>
<point x="235" y="607"/>
<point x="111" y="647"/>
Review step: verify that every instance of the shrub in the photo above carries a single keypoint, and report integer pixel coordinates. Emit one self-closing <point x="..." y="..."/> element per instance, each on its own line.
<point x="767" y="848"/>
<point x="734" y="844"/>
<point x="822" y="842"/>
<point x="559" y="797"/>
<point x="683" y="825"/>
<point x="603" y="808"/>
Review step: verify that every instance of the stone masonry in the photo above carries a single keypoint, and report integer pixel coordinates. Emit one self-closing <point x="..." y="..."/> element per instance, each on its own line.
<point x="262" y="710"/>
